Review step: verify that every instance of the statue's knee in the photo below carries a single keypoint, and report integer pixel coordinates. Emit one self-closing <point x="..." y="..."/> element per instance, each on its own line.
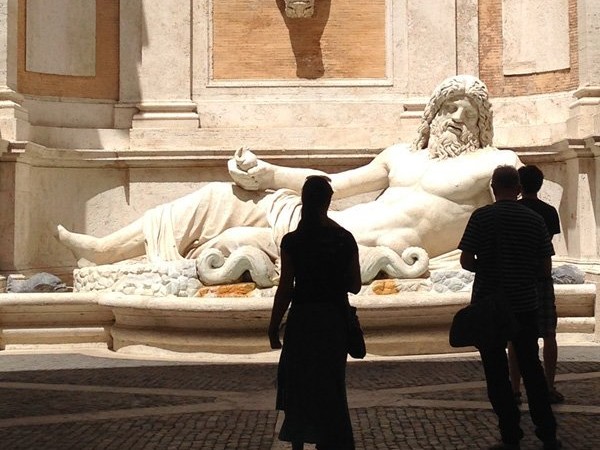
<point x="218" y="188"/>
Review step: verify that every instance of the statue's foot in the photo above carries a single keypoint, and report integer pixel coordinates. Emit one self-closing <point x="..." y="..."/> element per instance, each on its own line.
<point x="82" y="246"/>
<point x="82" y="262"/>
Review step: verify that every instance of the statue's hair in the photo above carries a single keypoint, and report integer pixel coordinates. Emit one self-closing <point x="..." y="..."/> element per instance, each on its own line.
<point x="459" y="85"/>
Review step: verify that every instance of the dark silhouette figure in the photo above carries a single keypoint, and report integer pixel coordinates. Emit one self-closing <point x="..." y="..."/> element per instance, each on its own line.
<point x="319" y="266"/>
<point x="532" y="179"/>
<point x="512" y="261"/>
<point x="305" y="37"/>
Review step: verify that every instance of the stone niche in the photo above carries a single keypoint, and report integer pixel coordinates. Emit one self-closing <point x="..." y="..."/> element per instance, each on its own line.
<point x="258" y="41"/>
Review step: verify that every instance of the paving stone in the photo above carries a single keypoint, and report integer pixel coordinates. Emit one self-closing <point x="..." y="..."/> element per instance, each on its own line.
<point x="110" y="403"/>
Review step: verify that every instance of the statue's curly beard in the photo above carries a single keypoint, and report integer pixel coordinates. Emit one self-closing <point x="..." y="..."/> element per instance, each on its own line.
<point x="443" y="143"/>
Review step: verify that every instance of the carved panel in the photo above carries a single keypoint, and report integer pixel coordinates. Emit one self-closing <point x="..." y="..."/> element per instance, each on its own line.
<point x="536" y="36"/>
<point x="103" y="83"/>
<point x="254" y="39"/>
<point x="61" y="37"/>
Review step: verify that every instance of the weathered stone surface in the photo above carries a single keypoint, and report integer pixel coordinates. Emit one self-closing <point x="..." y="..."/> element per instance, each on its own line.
<point x="395" y="286"/>
<point x="229" y="290"/>
<point x="568" y="274"/>
<point x="40" y="282"/>
<point x="173" y="278"/>
<point x="451" y="280"/>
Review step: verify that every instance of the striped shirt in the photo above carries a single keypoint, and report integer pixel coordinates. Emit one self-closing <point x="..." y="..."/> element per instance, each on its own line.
<point x="523" y="243"/>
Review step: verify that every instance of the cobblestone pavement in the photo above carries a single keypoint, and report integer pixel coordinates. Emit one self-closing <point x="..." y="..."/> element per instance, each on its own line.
<point x="95" y="399"/>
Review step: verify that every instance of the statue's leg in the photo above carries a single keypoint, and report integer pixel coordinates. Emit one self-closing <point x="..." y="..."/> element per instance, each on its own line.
<point x="166" y="231"/>
<point x="234" y="238"/>
<point x="126" y="243"/>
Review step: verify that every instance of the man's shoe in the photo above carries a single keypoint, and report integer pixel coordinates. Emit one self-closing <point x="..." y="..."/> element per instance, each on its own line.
<point x="518" y="399"/>
<point x="505" y="446"/>
<point x="555" y="397"/>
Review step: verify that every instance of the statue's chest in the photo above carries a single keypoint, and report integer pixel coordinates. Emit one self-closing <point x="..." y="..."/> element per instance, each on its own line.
<point x="449" y="178"/>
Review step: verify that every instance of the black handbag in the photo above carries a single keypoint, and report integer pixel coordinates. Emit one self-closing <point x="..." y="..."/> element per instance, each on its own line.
<point x="357" y="348"/>
<point x="486" y="322"/>
<point x="489" y="319"/>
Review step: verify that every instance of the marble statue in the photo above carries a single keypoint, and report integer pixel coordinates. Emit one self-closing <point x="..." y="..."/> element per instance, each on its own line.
<point x="299" y="9"/>
<point x="429" y="190"/>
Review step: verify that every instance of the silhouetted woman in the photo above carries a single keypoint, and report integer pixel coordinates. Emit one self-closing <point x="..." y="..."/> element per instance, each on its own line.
<point x="319" y="266"/>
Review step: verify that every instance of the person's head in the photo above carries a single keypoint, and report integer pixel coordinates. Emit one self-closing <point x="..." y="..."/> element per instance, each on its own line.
<point x="531" y="179"/>
<point x="316" y="197"/>
<point x="506" y="183"/>
<point x="458" y="118"/>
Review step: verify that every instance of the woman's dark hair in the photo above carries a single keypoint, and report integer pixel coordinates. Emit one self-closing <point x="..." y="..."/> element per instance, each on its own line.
<point x="316" y="197"/>
<point x="531" y="179"/>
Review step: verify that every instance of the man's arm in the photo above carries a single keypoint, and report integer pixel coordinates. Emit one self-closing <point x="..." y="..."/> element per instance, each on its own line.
<point x="283" y="297"/>
<point x="355" y="282"/>
<point x="467" y="261"/>
<point x="546" y="268"/>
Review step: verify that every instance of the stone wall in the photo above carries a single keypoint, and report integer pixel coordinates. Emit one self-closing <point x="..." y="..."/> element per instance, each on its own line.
<point x="178" y="88"/>
<point x="252" y="39"/>
<point x="492" y="45"/>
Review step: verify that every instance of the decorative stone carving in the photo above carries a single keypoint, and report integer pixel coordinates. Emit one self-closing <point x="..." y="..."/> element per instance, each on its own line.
<point x="451" y="280"/>
<point x="299" y="9"/>
<point x="395" y="286"/>
<point x="374" y="260"/>
<point x="213" y="268"/>
<point x="157" y="279"/>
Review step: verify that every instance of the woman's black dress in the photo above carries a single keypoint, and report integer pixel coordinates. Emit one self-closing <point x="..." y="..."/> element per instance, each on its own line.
<point x="312" y="368"/>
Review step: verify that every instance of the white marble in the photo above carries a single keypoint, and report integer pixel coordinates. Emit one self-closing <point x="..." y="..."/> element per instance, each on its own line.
<point x="429" y="193"/>
<point x="175" y="278"/>
<point x="409" y="322"/>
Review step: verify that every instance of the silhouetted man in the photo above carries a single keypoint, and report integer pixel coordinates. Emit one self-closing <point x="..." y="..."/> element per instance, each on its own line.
<point x="508" y="247"/>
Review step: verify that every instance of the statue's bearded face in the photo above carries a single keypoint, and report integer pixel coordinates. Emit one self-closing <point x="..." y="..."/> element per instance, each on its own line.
<point x="454" y="129"/>
<point x="299" y="9"/>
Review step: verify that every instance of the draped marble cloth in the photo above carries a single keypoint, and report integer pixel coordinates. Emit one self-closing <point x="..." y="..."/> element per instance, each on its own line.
<point x="220" y="215"/>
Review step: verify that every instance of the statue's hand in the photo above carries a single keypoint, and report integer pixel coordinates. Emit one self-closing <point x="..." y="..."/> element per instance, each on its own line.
<point x="249" y="172"/>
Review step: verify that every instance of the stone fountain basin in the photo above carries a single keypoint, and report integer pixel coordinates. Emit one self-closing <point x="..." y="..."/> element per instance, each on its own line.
<point x="407" y="323"/>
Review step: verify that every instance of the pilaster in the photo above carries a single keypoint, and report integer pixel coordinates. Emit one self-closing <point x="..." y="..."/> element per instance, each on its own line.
<point x="579" y="208"/>
<point x="14" y="120"/>
<point x="155" y="65"/>
<point x="584" y="119"/>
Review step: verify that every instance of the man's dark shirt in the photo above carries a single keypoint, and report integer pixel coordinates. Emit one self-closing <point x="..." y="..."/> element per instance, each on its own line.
<point x="524" y="242"/>
<point x="548" y="213"/>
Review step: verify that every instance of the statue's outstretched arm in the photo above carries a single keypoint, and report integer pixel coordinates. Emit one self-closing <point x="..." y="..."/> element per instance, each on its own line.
<point x="253" y="174"/>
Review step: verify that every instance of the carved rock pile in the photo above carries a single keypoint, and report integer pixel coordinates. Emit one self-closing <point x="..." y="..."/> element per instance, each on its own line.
<point x="158" y="279"/>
